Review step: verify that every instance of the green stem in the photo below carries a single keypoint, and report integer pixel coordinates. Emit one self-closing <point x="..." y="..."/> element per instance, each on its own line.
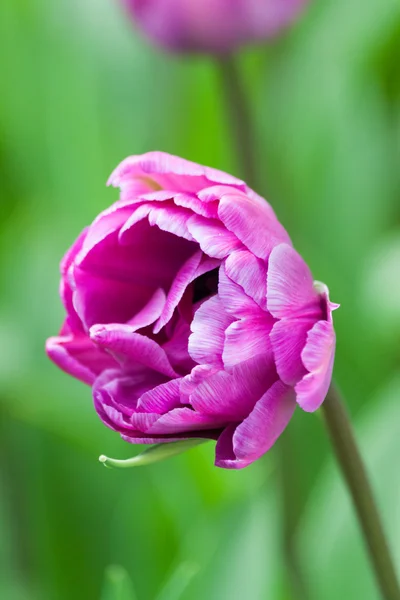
<point x="349" y="458"/>
<point x="239" y="112"/>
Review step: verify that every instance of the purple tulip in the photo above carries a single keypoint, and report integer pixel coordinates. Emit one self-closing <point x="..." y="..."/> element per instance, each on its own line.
<point x="211" y="25"/>
<point x="190" y="313"/>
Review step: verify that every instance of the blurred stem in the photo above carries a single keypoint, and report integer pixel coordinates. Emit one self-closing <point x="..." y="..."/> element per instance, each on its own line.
<point x="345" y="446"/>
<point x="240" y="118"/>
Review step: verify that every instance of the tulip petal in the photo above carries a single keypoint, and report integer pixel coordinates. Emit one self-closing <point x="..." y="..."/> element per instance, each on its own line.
<point x="233" y="297"/>
<point x="131" y="348"/>
<point x="318" y="357"/>
<point x="185" y="275"/>
<point x="247" y="338"/>
<point x="233" y="394"/>
<point x="253" y="223"/>
<point x="78" y="356"/>
<point x="170" y="172"/>
<point x="214" y="239"/>
<point x="290" y="289"/>
<point x="162" y="398"/>
<point x="208" y="327"/>
<point x="238" y="447"/>
<point x="250" y="273"/>
<point x="288" y="339"/>
<point x="182" y="420"/>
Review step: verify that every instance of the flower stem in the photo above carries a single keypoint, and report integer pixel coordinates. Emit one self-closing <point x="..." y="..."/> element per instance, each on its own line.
<point x="241" y="123"/>
<point x="345" y="446"/>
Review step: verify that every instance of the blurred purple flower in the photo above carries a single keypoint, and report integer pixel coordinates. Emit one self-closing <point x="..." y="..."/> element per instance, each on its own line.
<point x="190" y="313"/>
<point x="217" y="26"/>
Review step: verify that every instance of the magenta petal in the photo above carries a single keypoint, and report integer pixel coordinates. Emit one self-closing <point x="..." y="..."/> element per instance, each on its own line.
<point x="233" y="297"/>
<point x="233" y="394"/>
<point x="247" y="338"/>
<point x="194" y="203"/>
<point x="78" y="356"/>
<point x="250" y="273"/>
<point x="185" y="275"/>
<point x="208" y="327"/>
<point x="176" y="348"/>
<point x="161" y="399"/>
<point x="318" y="357"/>
<point x="189" y="383"/>
<point x="181" y="420"/>
<point x="290" y="289"/>
<point x="170" y="172"/>
<point x="214" y="193"/>
<point x="131" y="348"/>
<point x="150" y="312"/>
<point x="259" y="431"/>
<point x="213" y="237"/>
<point x="288" y="338"/>
<point x="253" y="223"/>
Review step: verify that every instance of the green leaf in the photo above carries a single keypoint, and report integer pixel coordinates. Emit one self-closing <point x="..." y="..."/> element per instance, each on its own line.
<point x="153" y="454"/>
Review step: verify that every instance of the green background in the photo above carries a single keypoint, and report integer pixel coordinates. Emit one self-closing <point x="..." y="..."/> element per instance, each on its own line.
<point x="80" y="90"/>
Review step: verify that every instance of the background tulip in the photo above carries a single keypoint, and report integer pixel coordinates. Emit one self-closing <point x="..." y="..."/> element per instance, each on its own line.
<point x="211" y="25"/>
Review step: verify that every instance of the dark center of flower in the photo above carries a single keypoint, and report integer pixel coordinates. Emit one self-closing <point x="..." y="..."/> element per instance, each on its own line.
<point x="205" y="286"/>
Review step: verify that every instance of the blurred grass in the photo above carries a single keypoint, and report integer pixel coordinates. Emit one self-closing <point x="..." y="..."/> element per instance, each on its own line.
<point x="80" y="91"/>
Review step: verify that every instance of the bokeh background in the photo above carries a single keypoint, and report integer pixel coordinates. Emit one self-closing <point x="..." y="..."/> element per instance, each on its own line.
<point x="80" y="90"/>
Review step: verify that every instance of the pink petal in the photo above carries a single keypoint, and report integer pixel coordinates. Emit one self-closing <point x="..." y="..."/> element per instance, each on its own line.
<point x="114" y="282"/>
<point x="170" y="172"/>
<point x="131" y="348"/>
<point x="161" y="399"/>
<point x="150" y="312"/>
<point x="189" y="383"/>
<point x="290" y="288"/>
<point x="253" y="223"/>
<point x="185" y="275"/>
<point x="247" y="338"/>
<point x="233" y="297"/>
<point x="250" y="273"/>
<point x="213" y="237"/>
<point x="194" y="203"/>
<point x="208" y="332"/>
<point x="176" y="348"/>
<point x="237" y="448"/>
<point x="233" y="394"/>
<point x="78" y="356"/>
<point x="214" y="193"/>
<point x="288" y="338"/>
<point x="318" y="357"/>
<point x="182" y="420"/>
<point x="66" y="290"/>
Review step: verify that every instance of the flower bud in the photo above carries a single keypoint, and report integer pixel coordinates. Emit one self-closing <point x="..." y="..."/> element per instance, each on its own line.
<point x="216" y="26"/>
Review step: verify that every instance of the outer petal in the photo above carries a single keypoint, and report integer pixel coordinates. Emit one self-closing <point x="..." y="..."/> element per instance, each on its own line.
<point x="214" y="239"/>
<point x="183" y="420"/>
<point x="234" y="299"/>
<point x="237" y="448"/>
<point x="247" y="338"/>
<point x="288" y="338"/>
<point x="208" y="327"/>
<point x="66" y="290"/>
<point x="234" y="394"/>
<point x="318" y="357"/>
<point x="253" y="223"/>
<point x="78" y="356"/>
<point x="250" y="273"/>
<point x="170" y="172"/>
<point x="290" y="289"/>
<point x="131" y="348"/>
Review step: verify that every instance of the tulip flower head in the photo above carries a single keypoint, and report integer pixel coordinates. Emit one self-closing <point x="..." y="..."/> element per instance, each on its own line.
<point x="216" y="26"/>
<point x="190" y="313"/>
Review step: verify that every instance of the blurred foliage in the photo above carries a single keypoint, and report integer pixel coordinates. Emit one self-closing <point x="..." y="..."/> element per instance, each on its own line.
<point x="80" y="91"/>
